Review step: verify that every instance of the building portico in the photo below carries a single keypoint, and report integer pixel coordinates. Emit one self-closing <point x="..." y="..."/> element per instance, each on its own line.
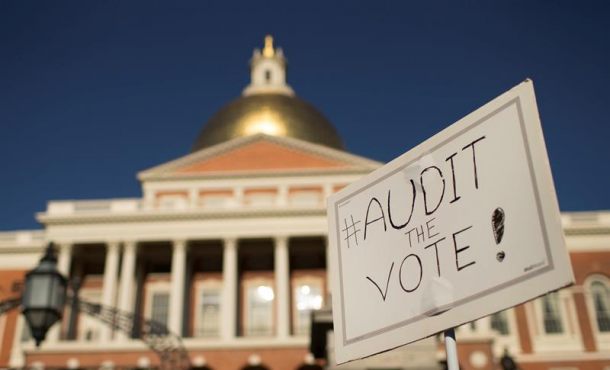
<point x="227" y="246"/>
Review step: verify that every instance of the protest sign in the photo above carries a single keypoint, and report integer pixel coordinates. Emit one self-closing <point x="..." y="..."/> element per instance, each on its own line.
<point x="464" y="225"/>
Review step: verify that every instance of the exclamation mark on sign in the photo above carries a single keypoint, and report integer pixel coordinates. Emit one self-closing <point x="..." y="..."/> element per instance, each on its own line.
<point x="497" y="225"/>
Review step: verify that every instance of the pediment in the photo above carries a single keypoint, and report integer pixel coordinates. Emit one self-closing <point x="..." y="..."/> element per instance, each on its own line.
<point x="260" y="154"/>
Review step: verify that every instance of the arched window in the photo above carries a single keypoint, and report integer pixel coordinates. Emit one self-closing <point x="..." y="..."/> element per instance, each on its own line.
<point x="267" y="75"/>
<point x="600" y="296"/>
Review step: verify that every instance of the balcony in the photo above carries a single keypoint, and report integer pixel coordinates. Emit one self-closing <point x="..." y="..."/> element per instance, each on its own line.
<point x="183" y="206"/>
<point x="25" y="238"/>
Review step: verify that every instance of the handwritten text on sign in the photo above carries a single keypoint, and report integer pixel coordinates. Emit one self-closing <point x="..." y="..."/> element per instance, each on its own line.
<point x="419" y="242"/>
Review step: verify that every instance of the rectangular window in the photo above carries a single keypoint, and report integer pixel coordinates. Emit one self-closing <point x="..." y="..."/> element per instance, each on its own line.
<point x="156" y="302"/>
<point x="551" y="314"/>
<point x="499" y="322"/>
<point x="208" y="315"/>
<point x="259" y="310"/>
<point x="307" y="297"/>
<point x="160" y="307"/>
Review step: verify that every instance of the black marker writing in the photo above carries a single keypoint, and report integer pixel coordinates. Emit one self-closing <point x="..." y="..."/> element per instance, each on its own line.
<point x="351" y="231"/>
<point x="438" y="262"/>
<point x="387" y="284"/>
<point x="398" y="227"/>
<point x="450" y="159"/>
<point x="474" y="160"/>
<point x="460" y="250"/>
<point x="382" y="217"/>
<point x="421" y="180"/>
<point x="421" y="272"/>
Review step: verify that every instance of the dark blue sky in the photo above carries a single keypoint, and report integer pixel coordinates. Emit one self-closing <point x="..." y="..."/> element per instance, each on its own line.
<point x="92" y="92"/>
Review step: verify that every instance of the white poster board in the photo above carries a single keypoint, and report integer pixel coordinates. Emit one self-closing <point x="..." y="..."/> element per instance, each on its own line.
<point x="464" y="225"/>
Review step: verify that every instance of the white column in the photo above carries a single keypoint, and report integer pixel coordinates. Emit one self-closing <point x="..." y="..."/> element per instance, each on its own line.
<point x="64" y="260"/>
<point x="111" y="268"/>
<point x="282" y="286"/>
<point x="126" y="284"/>
<point x="229" y="289"/>
<point x="176" y="295"/>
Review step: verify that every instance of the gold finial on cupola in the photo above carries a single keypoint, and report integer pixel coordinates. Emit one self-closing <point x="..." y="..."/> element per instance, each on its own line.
<point x="268" y="50"/>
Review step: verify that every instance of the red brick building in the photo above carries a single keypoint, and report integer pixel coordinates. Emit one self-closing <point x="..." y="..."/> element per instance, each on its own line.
<point x="227" y="247"/>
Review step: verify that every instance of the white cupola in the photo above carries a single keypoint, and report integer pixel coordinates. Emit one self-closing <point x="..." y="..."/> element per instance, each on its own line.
<point x="268" y="71"/>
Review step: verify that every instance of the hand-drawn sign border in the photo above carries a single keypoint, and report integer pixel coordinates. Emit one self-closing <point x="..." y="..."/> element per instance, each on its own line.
<point x="533" y="273"/>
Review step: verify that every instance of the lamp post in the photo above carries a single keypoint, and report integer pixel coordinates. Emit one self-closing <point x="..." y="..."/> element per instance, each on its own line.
<point x="44" y="295"/>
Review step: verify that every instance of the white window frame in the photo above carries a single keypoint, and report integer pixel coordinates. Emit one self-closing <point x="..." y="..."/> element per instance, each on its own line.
<point x="153" y="288"/>
<point x="301" y="280"/>
<point x="553" y="299"/>
<point x="200" y="286"/>
<point x="602" y="339"/>
<point x="247" y="284"/>
<point x="569" y="339"/>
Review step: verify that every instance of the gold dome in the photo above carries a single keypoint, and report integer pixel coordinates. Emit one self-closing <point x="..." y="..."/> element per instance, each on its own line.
<point x="271" y="114"/>
<point x="268" y="106"/>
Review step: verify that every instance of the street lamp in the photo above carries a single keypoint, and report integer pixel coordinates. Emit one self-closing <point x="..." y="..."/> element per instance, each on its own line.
<point x="43" y="299"/>
<point x="44" y="295"/>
